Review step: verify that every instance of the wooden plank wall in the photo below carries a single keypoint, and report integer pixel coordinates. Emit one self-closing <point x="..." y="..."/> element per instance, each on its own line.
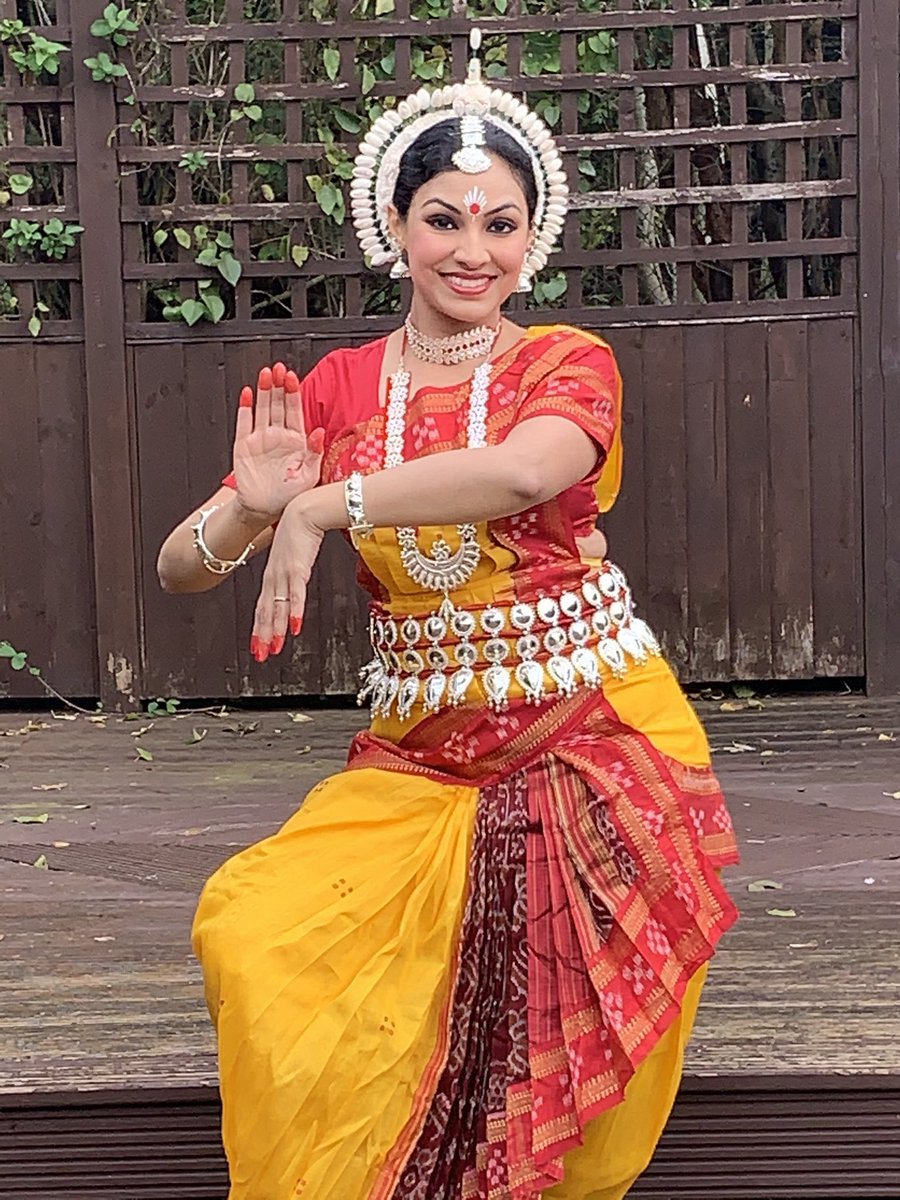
<point x="740" y="519"/>
<point x="198" y="645"/>
<point x="739" y="523"/>
<point x="46" y="552"/>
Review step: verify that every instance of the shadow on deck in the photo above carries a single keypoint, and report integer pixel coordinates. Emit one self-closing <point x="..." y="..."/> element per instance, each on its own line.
<point x="107" y="1068"/>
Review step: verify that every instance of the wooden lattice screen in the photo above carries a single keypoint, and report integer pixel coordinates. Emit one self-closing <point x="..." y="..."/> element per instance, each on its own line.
<point x="37" y="141"/>
<point x="710" y="150"/>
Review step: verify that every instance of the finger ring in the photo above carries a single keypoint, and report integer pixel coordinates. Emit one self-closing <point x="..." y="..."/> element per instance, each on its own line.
<point x="282" y="599"/>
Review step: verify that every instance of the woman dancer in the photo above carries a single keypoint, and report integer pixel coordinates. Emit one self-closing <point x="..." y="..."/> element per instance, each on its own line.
<point x="469" y="964"/>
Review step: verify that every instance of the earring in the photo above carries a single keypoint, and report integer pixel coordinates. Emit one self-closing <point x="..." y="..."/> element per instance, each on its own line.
<point x="523" y="287"/>
<point x="400" y="270"/>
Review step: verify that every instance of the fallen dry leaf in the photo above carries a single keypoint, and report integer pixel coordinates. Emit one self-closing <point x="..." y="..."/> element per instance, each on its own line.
<point x="49" y="787"/>
<point x="104" y="939"/>
<point x="194" y="832"/>
<point x="61" y="845"/>
<point x="299" y="718"/>
<point x="35" y="819"/>
<point x="732" y="706"/>
<point x="41" y="863"/>
<point x="892" y="795"/>
<point x="886" y="737"/>
<point x="766" y="753"/>
<point x="781" y="912"/>
<point x="64" y="716"/>
<point x="136" y="733"/>
<point x="764" y="885"/>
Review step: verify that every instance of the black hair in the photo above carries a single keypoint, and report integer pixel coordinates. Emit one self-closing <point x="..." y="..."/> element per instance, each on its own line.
<point x="431" y="154"/>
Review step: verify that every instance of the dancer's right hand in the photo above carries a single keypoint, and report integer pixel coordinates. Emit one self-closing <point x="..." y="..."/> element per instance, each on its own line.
<point x="274" y="460"/>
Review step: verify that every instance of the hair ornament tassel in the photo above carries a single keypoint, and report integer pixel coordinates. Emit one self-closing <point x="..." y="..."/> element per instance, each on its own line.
<point x="526" y="283"/>
<point x="477" y="106"/>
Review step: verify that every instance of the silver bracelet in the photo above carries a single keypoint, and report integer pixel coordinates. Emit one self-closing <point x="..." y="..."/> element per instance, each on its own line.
<point x="212" y="562"/>
<point x="359" y="526"/>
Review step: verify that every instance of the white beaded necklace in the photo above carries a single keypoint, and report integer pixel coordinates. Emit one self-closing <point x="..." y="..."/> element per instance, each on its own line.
<point x="441" y="570"/>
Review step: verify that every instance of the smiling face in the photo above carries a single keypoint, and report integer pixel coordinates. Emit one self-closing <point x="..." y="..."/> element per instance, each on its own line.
<point x="465" y="239"/>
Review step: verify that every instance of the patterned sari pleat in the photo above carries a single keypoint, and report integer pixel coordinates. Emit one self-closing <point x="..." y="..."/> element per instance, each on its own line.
<point x="593" y="899"/>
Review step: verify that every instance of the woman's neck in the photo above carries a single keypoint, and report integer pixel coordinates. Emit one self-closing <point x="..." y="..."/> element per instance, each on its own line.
<point x="434" y="324"/>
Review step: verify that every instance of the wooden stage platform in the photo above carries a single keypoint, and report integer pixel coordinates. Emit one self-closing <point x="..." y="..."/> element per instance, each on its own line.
<point x="108" y="828"/>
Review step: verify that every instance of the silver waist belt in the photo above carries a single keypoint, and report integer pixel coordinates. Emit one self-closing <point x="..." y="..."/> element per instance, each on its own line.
<point x="549" y="647"/>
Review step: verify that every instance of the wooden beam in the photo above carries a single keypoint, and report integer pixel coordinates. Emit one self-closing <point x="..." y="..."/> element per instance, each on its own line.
<point x="879" y="289"/>
<point x="109" y="416"/>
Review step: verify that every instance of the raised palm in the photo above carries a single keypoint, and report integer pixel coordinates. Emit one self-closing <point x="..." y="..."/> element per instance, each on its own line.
<point x="274" y="459"/>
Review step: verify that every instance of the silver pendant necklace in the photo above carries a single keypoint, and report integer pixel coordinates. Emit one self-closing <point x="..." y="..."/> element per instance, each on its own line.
<point x="441" y="570"/>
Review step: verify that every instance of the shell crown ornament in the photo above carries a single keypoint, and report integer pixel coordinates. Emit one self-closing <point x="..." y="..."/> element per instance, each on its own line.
<point x="477" y="105"/>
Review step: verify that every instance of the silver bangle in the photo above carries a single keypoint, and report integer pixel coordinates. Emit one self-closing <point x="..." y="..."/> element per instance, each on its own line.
<point x="359" y="526"/>
<point x="212" y="562"/>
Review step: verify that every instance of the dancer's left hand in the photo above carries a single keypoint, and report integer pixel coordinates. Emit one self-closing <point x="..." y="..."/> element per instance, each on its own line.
<point x="282" y="598"/>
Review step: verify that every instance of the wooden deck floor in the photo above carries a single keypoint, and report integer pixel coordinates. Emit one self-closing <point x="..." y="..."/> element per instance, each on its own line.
<point x="98" y="989"/>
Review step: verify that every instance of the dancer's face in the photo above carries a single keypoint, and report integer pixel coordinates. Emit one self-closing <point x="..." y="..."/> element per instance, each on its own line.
<point x="465" y="238"/>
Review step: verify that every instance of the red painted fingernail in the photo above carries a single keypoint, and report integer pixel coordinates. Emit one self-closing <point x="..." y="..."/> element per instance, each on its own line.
<point x="246" y="400"/>
<point x="277" y="644"/>
<point x="262" y="651"/>
<point x="278" y="373"/>
<point x="316" y="441"/>
<point x="265" y="379"/>
<point x="254" y="644"/>
<point x="296" y="625"/>
<point x="291" y="382"/>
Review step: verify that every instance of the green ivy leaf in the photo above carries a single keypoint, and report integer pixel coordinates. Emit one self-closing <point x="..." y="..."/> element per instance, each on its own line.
<point x="225" y="240"/>
<point x="208" y="256"/>
<point x="349" y="122"/>
<point x="331" y="57"/>
<point x="18" y="661"/>
<point x="383" y="7"/>
<point x="34" y="325"/>
<point x="368" y="80"/>
<point x="192" y="311"/>
<point x="229" y="268"/>
<point x="299" y="255"/>
<point x="253" y="112"/>
<point x="328" y="197"/>
<point x="19" y="184"/>
<point x="7" y="651"/>
<point x="182" y="237"/>
<point x="160" y="237"/>
<point x="245" y="93"/>
<point x="143" y="755"/>
<point x="215" y="307"/>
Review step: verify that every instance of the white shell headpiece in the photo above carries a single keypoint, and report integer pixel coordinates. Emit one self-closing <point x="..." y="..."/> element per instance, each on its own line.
<point x="377" y="164"/>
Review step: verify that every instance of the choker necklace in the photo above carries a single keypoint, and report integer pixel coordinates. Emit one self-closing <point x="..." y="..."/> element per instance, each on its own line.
<point x="450" y="351"/>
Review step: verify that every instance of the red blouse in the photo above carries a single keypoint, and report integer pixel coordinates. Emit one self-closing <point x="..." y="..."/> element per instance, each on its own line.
<point x="558" y="373"/>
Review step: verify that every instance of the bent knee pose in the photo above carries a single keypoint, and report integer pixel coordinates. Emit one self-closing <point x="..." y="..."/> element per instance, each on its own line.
<point x="468" y="965"/>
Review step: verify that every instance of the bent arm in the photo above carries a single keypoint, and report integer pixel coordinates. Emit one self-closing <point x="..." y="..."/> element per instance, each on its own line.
<point x="540" y="458"/>
<point x="227" y="532"/>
